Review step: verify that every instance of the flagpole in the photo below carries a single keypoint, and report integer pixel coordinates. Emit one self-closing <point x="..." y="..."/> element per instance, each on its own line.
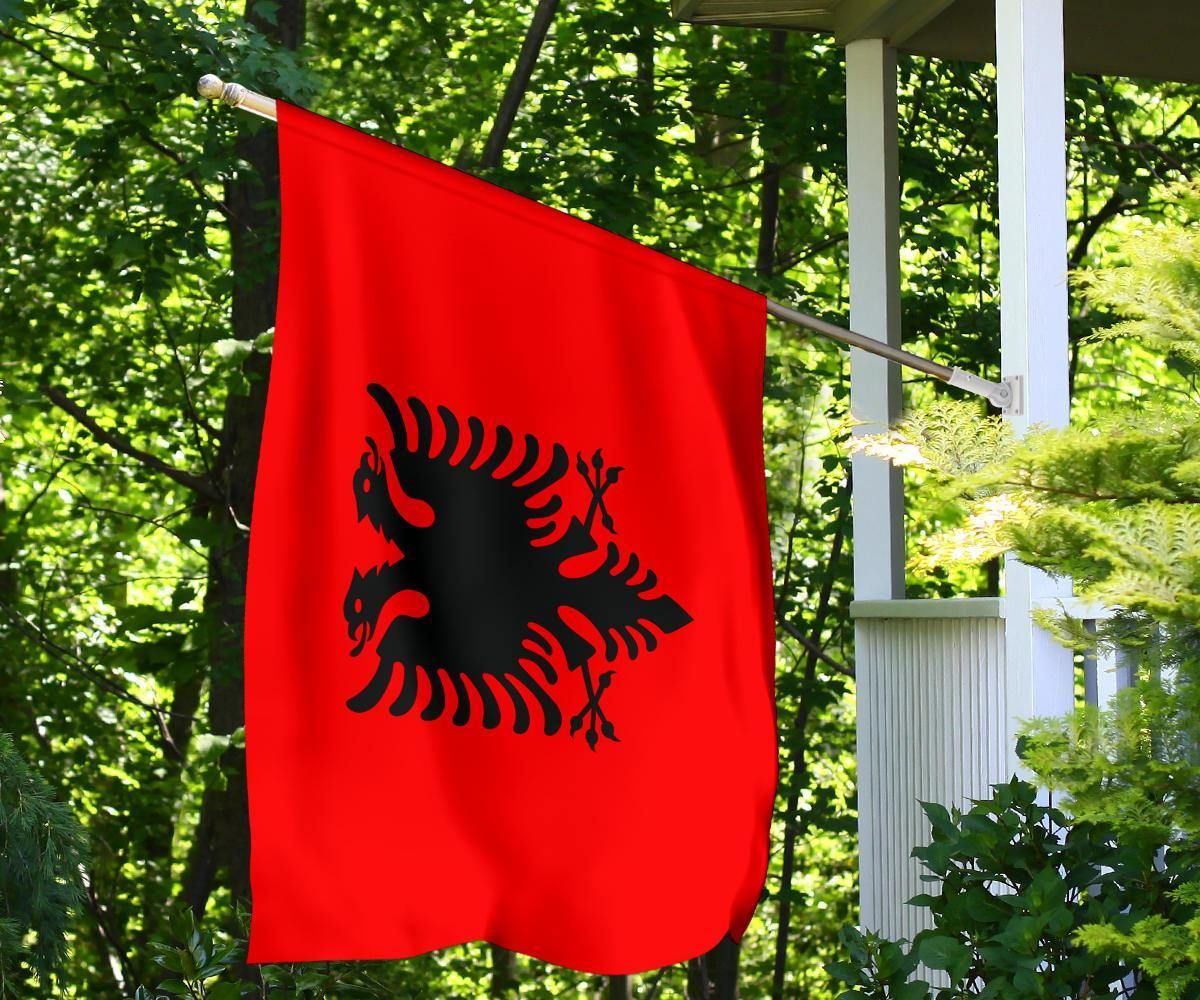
<point x="1004" y="395"/>
<point x="236" y="96"/>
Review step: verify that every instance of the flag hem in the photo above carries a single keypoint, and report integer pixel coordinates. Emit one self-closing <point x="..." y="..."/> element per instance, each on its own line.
<point x="359" y="143"/>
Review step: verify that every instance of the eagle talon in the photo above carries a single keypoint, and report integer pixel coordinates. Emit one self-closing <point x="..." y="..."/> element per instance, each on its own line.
<point x="599" y="482"/>
<point x="592" y="712"/>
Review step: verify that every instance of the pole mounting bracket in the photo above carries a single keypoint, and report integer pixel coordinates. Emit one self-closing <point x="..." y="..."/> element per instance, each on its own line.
<point x="1007" y="395"/>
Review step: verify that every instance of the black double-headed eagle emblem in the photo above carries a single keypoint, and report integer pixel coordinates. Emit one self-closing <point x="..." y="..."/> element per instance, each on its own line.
<point x="474" y="514"/>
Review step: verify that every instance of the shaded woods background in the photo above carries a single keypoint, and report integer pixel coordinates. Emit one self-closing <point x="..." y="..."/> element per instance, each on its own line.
<point x="137" y="297"/>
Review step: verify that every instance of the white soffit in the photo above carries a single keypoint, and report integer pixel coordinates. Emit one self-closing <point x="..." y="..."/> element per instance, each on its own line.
<point x="1155" y="39"/>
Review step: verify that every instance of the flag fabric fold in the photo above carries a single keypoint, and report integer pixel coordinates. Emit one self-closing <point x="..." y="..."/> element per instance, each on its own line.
<point x="509" y="640"/>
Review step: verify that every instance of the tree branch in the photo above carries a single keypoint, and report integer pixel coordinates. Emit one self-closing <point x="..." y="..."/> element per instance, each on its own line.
<point x="518" y="83"/>
<point x="813" y="649"/>
<point x="1091" y="226"/>
<point x="106" y="933"/>
<point x="121" y="444"/>
<point x="799" y="763"/>
<point x="76" y="664"/>
<point x="50" y="60"/>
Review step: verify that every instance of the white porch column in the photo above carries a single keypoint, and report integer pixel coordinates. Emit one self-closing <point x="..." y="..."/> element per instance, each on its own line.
<point x="875" y="399"/>
<point x="1030" y="75"/>
<point x="875" y="395"/>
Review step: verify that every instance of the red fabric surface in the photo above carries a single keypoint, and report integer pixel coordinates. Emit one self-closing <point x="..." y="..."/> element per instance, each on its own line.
<point x="381" y="835"/>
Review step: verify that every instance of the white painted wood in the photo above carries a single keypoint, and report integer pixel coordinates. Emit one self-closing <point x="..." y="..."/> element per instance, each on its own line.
<point x="1030" y="73"/>
<point x="950" y="607"/>
<point x="875" y="391"/>
<point x="893" y="20"/>
<point x="914" y="18"/>
<point x="878" y="500"/>
<point x="931" y="727"/>
<point x="856" y="19"/>
<point x="1154" y="38"/>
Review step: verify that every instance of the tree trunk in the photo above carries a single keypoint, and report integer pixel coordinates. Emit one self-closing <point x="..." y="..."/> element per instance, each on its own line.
<point x="504" y="973"/>
<point x="518" y="83"/>
<point x="222" y="841"/>
<point x="791" y="830"/>
<point x="646" y="49"/>
<point x="768" y="223"/>
<point x="8" y="546"/>
<point x="714" y="975"/>
<point x="620" y="988"/>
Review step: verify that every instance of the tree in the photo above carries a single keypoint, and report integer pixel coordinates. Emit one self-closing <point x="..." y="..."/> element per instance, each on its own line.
<point x="42" y="852"/>
<point x="132" y="290"/>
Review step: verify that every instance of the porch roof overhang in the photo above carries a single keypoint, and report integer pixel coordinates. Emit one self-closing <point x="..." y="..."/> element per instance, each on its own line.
<point x="1158" y="39"/>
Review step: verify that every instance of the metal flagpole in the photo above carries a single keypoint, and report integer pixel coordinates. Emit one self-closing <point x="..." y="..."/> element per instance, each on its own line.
<point x="1005" y="394"/>
<point x="236" y="96"/>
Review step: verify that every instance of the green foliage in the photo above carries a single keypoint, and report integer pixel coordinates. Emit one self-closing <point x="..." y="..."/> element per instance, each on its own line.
<point x="1158" y="290"/>
<point x="200" y="965"/>
<point x="115" y="284"/>
<point x="42" y="849"/>
<point x="1111" y="501"/>
<point x="1134" y="769"/>
<point x="1114" y="503"/>
<point x="116" y="277"/>
<point x="1017" y="889"/>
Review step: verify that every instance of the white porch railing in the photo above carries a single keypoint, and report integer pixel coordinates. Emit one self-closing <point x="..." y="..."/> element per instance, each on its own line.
<point x="936" y="723"/>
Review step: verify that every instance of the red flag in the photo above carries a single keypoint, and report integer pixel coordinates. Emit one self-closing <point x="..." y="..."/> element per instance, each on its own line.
<point x="509" y="641"/>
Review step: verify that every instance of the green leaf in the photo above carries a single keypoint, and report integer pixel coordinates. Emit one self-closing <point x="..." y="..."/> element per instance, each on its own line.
<point x="941" y="951"/>
<point x="844" y="972"/>
<point x="939" y="816"/>
<point x="233" y="351"/>
<point x="986" y="908"/>
<point x="268" y="10"/>
<point x="1059" y="920"/>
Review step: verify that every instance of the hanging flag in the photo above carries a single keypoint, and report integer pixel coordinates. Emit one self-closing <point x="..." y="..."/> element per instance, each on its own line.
<point x="509" y="640"/>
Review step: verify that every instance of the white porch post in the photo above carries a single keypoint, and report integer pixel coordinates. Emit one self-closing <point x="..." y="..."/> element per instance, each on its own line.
<point x="1033" y="310"/>
<point x="875" y="399"/>
<point x="875" y="394"/>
